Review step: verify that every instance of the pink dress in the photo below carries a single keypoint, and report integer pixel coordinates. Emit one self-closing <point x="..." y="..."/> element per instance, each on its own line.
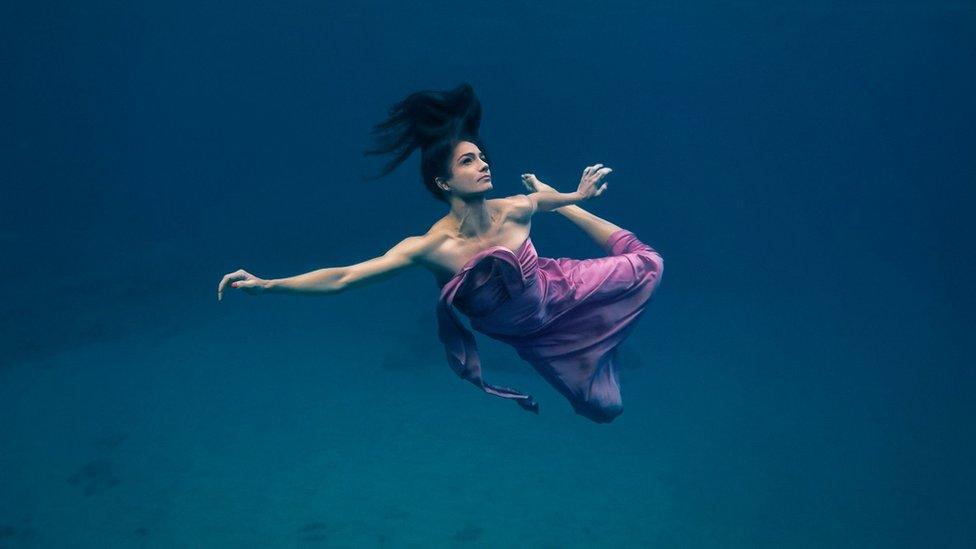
<point x="564" y="316"/>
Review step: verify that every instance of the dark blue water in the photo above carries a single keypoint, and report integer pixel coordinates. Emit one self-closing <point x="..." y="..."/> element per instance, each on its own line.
<point x="803" y="376"/>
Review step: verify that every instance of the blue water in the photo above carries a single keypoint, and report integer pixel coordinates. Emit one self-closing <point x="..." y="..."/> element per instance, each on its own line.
<point x="803" y="376"/>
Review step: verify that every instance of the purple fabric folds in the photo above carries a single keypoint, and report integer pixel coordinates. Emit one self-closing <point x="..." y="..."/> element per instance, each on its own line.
<point x="564" y="316"/>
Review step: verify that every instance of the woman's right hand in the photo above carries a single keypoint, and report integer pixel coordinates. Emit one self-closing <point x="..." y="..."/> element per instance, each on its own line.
<point x="589" y="186"/>
<point x="241" y="280"/>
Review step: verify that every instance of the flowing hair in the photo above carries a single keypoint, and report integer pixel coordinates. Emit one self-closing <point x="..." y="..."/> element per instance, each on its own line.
<point x="433" y="121"/>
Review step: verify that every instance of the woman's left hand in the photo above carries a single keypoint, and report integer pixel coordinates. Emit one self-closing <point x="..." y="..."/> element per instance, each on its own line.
<point x="593" y="176"/>
<point x="242" y="280"/>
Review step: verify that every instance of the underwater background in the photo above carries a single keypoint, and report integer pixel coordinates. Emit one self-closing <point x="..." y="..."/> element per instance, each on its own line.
<point x="803" y="376"/>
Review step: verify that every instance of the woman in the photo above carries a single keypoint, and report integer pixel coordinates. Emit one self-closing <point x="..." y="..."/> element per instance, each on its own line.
<point x="565" y="316"/>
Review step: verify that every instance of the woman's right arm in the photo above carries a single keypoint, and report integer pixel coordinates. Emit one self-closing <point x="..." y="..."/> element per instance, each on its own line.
<point x="332" y="280"/>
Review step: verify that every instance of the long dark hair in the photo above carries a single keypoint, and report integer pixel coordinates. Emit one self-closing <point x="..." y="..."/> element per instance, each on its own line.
<point x="435" y="122"/>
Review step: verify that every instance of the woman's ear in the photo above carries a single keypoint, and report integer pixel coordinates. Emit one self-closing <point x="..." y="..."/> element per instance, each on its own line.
<point x="439" y="181"/>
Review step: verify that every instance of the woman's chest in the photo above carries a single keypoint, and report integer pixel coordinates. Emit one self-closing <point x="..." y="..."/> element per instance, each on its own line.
<point x="446" y="260"/>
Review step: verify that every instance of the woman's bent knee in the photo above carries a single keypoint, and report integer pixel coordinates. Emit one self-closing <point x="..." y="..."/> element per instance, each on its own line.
<point x="601" y="406"/>
<point x="600" y="413"/>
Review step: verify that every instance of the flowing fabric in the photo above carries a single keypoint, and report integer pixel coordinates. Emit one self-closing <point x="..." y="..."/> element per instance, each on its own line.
<point x="564" y="316"/>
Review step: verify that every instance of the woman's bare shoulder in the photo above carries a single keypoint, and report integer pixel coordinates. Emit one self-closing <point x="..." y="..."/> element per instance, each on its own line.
<point x="518" y="207"/>
<point x="434" y="240"/>
<point x="438" y="250"/>
<point x="508" y="202"/>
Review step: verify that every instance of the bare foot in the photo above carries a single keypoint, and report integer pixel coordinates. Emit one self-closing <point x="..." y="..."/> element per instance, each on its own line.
<point x="533" y="184"/>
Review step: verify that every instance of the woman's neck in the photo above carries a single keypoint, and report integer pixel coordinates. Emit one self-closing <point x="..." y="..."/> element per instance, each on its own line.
<point x="472" y="218"/>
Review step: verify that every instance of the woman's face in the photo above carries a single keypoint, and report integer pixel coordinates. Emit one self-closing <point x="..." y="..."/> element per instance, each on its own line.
<point x="469" y="170"/>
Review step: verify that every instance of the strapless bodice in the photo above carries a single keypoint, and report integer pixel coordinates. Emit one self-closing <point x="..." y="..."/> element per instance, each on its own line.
<point x="492" y="277"/>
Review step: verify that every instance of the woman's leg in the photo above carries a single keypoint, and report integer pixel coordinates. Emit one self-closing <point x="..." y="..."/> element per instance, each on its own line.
<point x="598" y="228"/>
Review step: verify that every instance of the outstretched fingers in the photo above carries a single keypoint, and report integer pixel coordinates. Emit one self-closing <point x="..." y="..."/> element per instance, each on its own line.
<point x="590" y="169"/>
<point x="597" y="170"/>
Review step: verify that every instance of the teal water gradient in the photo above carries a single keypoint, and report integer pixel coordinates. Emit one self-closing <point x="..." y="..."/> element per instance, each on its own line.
<point x="803" y="377"/>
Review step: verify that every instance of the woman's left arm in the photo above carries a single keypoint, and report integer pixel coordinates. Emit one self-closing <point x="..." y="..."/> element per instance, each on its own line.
<point x="523" y="206"/>
<point x="549" y="201"/>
